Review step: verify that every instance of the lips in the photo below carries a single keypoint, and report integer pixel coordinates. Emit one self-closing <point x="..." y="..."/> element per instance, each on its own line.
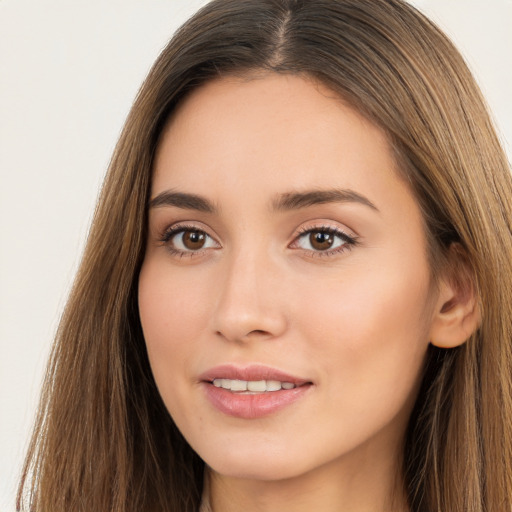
<point x="250" y="373"/>
<point x="252" y="392"/>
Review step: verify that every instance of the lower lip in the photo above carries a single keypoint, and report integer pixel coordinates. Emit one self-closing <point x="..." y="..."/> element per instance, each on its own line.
<point x="252" y="406"/>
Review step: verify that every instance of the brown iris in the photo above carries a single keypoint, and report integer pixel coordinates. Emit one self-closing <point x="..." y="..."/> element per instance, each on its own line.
<point x="193" y="240"/>
<point x="321" y="240"/>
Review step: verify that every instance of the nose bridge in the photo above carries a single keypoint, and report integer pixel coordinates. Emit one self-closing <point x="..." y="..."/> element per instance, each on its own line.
<point x="247" y="304"/>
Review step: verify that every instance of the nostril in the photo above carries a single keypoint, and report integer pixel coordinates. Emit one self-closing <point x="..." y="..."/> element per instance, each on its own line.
<point x="255" y="333"/>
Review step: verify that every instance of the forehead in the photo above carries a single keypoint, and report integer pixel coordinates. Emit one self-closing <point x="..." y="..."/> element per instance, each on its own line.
<point x="271" y="132"/>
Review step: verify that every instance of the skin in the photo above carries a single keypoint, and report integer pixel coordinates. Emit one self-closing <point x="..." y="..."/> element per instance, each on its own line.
<point x="355" y="322"/>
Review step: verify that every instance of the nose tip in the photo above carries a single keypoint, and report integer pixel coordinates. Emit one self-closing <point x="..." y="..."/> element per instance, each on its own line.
<point x="247" y="319"/>
<point x="249" y="308"/>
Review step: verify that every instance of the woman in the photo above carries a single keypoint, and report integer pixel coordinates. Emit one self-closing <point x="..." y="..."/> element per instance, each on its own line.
<point x="296" y="292"/>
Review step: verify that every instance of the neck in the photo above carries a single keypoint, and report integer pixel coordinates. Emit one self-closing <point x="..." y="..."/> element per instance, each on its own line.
<point x="338" y="486"/>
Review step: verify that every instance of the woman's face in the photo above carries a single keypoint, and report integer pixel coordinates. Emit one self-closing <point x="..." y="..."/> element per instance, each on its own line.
<point x="285" y="295"/>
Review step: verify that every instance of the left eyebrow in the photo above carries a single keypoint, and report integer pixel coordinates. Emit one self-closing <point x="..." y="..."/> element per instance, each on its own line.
<point x="298" y="200"/>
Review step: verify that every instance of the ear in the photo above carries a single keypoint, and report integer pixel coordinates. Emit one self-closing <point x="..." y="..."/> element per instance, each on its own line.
<point x="457" y="313"/>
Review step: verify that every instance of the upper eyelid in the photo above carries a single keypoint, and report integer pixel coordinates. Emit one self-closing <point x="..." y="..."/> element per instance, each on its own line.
<point x="326" y="226"/>
<point x="323" y="227"/>
<point x="334" y="231"/>
<point x="187" y="226"/>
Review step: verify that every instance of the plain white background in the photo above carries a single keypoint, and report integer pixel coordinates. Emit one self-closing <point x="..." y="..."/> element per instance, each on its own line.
<point x="69" y="71"/>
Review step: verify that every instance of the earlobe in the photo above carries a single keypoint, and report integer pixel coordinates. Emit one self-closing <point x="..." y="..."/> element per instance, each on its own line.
<point x="457" y="312"/>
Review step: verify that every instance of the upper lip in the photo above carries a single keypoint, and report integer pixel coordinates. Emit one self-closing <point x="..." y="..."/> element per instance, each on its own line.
<point x="253" y="372"/>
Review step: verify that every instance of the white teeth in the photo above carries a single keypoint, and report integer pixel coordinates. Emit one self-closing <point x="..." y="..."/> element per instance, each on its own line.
<point x="257" y="385"/>
<point x="225" y="383"/>
<point x="239" y="385"/>
<point x="252" y="386"/>
<point x="273" y="385"/>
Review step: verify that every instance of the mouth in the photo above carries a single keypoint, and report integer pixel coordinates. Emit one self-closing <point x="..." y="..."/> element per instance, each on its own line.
<point x="252" y="386"/>
<point x="252" y="392"/>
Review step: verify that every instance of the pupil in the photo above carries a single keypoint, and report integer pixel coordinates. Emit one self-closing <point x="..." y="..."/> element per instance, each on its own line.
<point x="193" y="239"/>
<point x="321" y="240"/>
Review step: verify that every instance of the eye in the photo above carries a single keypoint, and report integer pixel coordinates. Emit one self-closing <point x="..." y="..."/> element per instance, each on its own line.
<point x="183" y="239"/>
<point x="323" y="240"/>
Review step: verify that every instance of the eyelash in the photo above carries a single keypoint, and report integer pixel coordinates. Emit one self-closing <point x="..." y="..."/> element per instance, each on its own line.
<point x="169" y="233"/>
<point x="348" y="241"/>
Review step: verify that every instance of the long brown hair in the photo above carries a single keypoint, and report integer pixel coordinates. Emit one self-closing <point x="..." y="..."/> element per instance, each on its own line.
<point x="103" y="438"/>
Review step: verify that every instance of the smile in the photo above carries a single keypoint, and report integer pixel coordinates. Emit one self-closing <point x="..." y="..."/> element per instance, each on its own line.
<point x="253" y="391"/>
<point x="252" y="386"/>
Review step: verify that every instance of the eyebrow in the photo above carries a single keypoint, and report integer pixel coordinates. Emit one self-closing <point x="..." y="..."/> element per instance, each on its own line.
<point x="298" y="200"/>
<point x="283" y="202"/>
<point x="182" y="200"/>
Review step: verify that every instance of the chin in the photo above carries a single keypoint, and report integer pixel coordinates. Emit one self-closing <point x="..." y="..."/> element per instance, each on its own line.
<point x="263" y="470"/>
<point x="254" y="462"/>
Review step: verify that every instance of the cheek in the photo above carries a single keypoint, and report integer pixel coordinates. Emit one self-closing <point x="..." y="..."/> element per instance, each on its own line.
<point x="173" y="314"/>
<point x="363" y="302"/>
<point x="370" y="334"/>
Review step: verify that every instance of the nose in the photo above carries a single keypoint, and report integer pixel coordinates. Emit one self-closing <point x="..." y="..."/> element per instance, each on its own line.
<point x="250" y="303"/>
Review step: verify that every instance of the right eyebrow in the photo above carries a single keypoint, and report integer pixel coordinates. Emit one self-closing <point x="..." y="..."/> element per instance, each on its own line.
<point x="182" y="200"/>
